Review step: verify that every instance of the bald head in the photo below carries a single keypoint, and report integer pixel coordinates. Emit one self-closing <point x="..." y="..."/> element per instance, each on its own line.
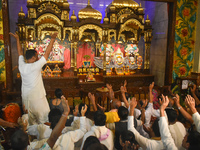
<point x="116" y="103"/>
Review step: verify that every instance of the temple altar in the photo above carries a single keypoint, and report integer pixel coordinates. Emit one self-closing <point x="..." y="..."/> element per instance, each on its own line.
<point x="108" y="51"/>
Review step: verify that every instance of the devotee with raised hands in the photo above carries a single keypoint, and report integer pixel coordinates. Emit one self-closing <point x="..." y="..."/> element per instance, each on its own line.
<point x="145" y="143"/>
<point x="163" y="125"/>
<point x="33" y="92"/>
<point x="190" y="101"/>
<point x="185" y="114"/>
<point x="19" y="139"/>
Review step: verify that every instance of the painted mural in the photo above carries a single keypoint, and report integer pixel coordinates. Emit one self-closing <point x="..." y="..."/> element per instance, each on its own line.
<point x="2" y="56"/>
<point x="184" y="37"/>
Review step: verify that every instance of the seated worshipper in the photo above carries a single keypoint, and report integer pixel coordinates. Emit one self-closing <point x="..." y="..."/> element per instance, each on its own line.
<point x="145" y="143"/>
<point x="121" y="126"/>
<point x="57" y="103"/>
<point x="43" y="131"/>
<point x="111" y="116"/>
<point x="19" y="139"/>
<point x="176" y="128"/>
<point x="92" y="143"/>
<point x="33" y="92"/>
<point x="127" y="139"/>
<point x="99" y="130"/>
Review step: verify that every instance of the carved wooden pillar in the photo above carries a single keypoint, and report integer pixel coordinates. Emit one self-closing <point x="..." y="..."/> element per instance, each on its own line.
<point x="72" y="55"/>
<point x="75" y="58"/>
<point x="105" y="41"/>
<point x="8" y="58"/>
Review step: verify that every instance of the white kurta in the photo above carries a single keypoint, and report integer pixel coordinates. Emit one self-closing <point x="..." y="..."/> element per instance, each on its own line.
<point x="178" y="133"/>
<point x="65" y="141"/>
<point x="98" y="131"/>
<point x="145" y="143"/>
<point x="196" y="119"/>
<point x="33" y="92"/>
<point x="166" y="137"/>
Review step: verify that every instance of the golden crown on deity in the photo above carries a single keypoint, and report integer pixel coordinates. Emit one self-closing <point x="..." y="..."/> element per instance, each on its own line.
<point x="31" y="45"/>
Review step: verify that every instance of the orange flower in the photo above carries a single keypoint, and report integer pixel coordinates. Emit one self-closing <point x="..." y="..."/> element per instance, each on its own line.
<point x="176" y="22"/>
<point x="182" y="70"/>
<point x="184" y="32"/>
<point x="192" y="42"/>
<point x="184" y="52"/>
<point x="186" y="12"/>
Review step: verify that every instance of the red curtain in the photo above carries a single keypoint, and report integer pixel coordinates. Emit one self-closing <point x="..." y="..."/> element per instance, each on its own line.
<point x="83" y="50"/>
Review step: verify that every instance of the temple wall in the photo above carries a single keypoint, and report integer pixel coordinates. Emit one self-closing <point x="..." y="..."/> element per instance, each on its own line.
<point x="157" y="12"/>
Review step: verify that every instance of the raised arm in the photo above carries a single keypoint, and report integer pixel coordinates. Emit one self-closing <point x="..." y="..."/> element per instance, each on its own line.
<point x="92" y="99"/>
<point x="163" y="126"/>
<point x="194" y="95"/>
<point x="150" y="92"/>
<point x="123" y="90"/>
<point x="19" y="47"/>
<point x="143" y="142"/>
<point x="111" y="92"/>
<point x="60" y="125"/>
<point x="195" y="115"/>
<point x="50" y="46"/>
<point x="182" y="110"/>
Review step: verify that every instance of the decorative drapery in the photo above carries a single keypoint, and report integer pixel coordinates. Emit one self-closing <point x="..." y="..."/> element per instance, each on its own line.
<point x="85" y="49"/>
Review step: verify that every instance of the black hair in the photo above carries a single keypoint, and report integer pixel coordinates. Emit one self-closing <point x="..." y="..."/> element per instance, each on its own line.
<point x="128" y="136"/>
<point x="171" y="114"/>
<point x="99" y="118"/>
<point x="54" y="117"/>
<point x="30" y="53"/>
<point x="80" y="107"/>
<point x="156" y="128"/>
<point x="58" y="93"/>
<point x="19" y="140"/>
<point x="194" y="140"/>
<point x="89" y="141"/>
<point x="122" y="113"/>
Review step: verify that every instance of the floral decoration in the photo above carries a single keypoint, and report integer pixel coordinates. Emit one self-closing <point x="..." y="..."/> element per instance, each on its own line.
<point x="184" y="38"/>
<point x="2" y="55"/>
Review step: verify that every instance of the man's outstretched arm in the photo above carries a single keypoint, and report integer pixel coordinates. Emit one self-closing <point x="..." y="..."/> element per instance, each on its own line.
<point x="50" y="46"/>
<point x="19" y="47"/>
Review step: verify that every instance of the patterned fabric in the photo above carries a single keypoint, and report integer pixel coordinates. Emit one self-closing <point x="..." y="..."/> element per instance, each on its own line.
<point x="2" y="55"/>
<point x="184" y="37"/>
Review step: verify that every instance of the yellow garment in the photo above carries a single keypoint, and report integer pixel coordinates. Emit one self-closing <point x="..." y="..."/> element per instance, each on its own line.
<point x="112" y="117"/>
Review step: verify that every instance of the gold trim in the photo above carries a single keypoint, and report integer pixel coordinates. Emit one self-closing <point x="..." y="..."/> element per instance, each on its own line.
<point x="46" y="16"/>
<point x="90" y="26"/>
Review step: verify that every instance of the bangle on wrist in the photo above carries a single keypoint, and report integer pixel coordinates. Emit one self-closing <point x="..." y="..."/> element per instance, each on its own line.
<point x="64" y="115"/>
<point x="179" y="107"/>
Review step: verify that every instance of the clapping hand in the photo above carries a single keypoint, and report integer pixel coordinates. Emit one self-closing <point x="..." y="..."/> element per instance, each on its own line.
<point x="65" y="105"/>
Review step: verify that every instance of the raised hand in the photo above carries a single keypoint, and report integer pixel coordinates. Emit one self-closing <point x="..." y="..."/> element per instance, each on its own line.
<point x="14" y="35"/>
<point x="151" y="86"/>
<point x="125" y="83"/>
<point x="101" y="107"/>
<point x="123" y="89"/>
<point x="109" y="86"/>
<point x="83" y="110"/>
<point x="165" y="102"/>
<point x="145" y="103"/>
<point x="190" y="101"/>
<point x="91" y="97"/>
<point x="65" y="105"/>
<point x="75" y="111"/>
<point x="54" y="35"/>
<point x="177" y="100"/>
